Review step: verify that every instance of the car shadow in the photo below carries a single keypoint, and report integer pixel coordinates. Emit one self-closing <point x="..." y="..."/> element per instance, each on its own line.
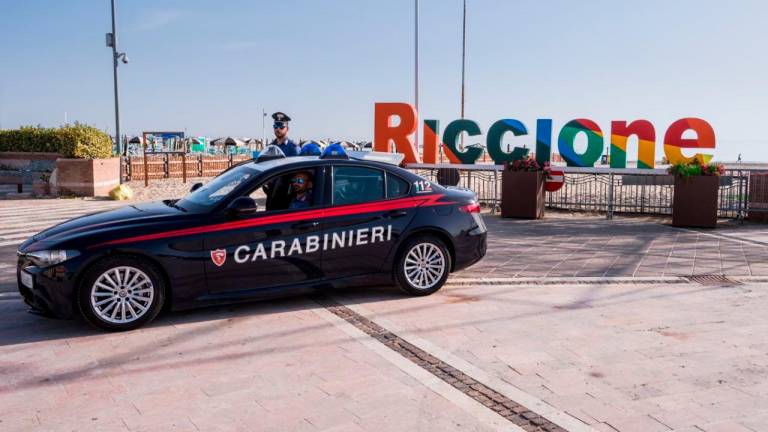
<point x="19" y="326"/>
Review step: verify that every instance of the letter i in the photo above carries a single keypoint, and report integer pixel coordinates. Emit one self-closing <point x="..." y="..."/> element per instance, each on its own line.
<point x="389" y="232"/>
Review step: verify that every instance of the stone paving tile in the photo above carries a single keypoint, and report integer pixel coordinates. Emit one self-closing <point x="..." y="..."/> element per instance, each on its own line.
<point x="270" y="366"/>
<point x="640" y="357"/>
<point x="590" y="246"/>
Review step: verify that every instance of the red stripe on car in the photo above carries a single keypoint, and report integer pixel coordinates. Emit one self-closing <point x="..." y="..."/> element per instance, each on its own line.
<point x="344" y="210"/>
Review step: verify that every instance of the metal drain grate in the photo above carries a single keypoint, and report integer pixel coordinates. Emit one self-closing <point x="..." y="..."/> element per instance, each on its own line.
<point x="717" y="280"/>
<point x="490" y="398"/>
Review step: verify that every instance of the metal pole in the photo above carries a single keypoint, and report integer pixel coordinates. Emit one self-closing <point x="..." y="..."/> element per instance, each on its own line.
<point x="609" y="213"/>
<point x="463" y="61"/>
<point x="117" y="97"/>
<point x="416" y="69"/>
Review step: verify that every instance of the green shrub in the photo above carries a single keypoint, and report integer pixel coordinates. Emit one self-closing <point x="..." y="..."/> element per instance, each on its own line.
<point x="76" y="141"/>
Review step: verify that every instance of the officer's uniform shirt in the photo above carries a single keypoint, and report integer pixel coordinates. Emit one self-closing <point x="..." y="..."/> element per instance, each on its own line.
<point x="301" y="202"/>
<point x="289" y="147"/>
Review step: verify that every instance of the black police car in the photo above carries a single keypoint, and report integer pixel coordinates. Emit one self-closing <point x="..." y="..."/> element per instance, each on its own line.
<point x="242" y="237"/>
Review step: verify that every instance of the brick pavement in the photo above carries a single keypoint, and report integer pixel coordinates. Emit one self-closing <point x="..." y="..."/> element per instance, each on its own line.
<point x="653" y="357"/>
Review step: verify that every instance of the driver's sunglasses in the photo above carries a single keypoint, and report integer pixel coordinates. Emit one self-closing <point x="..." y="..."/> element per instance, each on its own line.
<point x="298" y="180"/>
<point x="278" y="126"/>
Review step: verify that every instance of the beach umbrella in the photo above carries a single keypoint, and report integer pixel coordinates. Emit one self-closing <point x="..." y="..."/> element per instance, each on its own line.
<point x="228" y="141"/>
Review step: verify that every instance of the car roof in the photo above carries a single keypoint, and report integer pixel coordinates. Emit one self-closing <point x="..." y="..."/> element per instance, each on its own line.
<point x="269" y="165"/>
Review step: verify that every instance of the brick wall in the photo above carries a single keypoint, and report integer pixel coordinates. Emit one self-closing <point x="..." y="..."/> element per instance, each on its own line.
<point x="87" y="177"/>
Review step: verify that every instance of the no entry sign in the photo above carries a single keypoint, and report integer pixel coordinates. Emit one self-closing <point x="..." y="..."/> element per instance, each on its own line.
<point x="555" y="180"/>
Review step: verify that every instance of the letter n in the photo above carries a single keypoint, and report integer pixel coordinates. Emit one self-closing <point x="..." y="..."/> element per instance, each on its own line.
<point x="646" y="147"/>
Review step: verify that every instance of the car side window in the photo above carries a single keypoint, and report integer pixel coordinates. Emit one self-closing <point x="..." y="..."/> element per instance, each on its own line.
<point x="396" y="187"/>
<point x="292" y="190"/>
<point x="352" y="184"/>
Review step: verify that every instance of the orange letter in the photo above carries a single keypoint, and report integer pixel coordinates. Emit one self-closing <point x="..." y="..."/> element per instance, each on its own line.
<point x="401" y="135"/>
<point x="674" y="141"/>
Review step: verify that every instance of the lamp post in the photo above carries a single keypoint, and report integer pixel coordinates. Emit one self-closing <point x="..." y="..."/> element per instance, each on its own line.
<point x="112" y="43"/>
<point x="416" y="66"/>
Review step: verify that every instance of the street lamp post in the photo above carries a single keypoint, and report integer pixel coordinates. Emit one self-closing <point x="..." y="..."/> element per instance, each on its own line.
<point x="112" y="42"/>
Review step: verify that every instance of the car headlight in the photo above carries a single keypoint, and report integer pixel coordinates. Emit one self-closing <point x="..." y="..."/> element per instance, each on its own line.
<point x="47" y="258"/>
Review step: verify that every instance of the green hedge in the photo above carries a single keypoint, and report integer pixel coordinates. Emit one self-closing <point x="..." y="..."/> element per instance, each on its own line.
<point x="76" y="141"/>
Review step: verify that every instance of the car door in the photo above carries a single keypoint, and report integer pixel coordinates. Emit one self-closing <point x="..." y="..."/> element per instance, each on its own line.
<point x="363" y="221"/>
<point x="275" y="248"/>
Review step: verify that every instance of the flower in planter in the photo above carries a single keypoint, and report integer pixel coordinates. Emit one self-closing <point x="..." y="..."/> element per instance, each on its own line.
<point x="529" y="164"/>
<point x="696" y="168"/>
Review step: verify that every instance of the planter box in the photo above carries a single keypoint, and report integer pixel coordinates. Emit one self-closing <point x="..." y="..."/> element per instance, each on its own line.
<point x="695" y="201"/>
<point x="522" y="194"/>
<point x="87" y="177"/>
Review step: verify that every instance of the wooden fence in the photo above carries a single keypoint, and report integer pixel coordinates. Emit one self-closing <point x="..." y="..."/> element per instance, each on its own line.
<point x="177" y="165"/>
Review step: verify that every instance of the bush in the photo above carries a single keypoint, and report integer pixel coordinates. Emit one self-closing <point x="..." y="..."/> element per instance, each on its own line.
<point x="121" y="192"/>
<point x="76" y="141"/>
<point x="696" y="168"/>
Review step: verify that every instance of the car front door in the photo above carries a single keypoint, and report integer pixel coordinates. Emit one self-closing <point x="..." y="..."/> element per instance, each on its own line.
<point x="276" y="246"/>
<point x="366" y="216"/>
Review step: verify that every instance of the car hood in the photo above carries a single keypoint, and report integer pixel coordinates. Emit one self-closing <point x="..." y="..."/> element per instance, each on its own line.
<point x="144" y="213"/>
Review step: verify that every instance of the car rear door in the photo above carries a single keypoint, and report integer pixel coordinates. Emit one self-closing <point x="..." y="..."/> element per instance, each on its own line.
<point x="274" y="250"/>
<point x="368" y="212"/>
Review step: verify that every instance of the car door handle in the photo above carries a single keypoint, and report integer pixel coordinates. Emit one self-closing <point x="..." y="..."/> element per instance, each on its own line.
<point x="395" y="214"/>
<point x="305" y="225"/>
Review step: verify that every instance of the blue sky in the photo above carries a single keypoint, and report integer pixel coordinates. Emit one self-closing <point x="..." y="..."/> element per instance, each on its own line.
<point x="209" y="67"/>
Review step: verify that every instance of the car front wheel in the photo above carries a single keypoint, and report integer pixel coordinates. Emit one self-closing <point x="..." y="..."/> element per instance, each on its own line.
<point x="423" y="266"/>
<point x="121" y="293"/>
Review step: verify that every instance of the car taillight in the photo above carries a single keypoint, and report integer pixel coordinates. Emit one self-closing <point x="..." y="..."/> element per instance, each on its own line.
<point x="470" y="208"/>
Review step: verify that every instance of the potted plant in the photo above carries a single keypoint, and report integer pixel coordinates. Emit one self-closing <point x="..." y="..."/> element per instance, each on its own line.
<point x="522" y="189"/>
<point x="695" y="200"/>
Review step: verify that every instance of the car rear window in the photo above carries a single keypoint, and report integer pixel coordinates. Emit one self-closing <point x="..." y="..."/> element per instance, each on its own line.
<point x="396" y="187"/>
<point x="353" y="184"/>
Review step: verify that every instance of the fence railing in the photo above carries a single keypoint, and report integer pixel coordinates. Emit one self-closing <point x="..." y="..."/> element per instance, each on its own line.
<point x="177" y="165"/>
<point x="609" y="190"/>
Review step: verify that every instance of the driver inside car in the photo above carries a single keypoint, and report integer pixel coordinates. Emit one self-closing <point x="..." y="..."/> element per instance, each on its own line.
<point x="301" y="189"/>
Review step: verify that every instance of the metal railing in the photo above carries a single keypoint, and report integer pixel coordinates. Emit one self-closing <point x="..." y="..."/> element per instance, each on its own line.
<point x="611" y="190"/>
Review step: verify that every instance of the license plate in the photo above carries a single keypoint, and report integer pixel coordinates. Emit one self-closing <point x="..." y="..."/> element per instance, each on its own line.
<point x="26" y="280"/>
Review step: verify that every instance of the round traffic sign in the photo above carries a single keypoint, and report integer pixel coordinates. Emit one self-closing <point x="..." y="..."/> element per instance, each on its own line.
<point x="555" y="180"/>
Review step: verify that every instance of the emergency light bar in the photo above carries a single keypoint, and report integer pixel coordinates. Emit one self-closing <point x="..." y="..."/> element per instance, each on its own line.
<point x="388" y="158"/>
<point x="269" y="153"/>
<point x="334" y="151"/>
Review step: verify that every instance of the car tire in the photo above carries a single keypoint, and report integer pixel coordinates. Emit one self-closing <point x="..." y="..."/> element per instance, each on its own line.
<point x="422" y="266"/>
<point x="121" y="293"/>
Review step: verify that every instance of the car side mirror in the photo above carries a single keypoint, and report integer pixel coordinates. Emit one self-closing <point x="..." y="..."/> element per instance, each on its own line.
<point x="195" y="187"/>
<point x="242" y="206"/>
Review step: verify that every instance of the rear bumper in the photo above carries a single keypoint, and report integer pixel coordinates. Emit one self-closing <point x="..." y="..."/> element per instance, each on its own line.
<point x="470" y="248"/>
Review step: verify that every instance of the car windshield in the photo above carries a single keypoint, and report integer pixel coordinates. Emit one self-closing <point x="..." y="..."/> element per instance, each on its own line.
<point x="214" y="191"/>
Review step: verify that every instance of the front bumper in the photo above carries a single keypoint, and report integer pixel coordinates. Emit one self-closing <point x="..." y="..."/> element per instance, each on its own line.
<point x="52" y="291"/>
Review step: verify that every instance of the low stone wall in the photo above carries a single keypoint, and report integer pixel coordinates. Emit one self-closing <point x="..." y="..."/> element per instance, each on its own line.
<point x="28" y="165"/>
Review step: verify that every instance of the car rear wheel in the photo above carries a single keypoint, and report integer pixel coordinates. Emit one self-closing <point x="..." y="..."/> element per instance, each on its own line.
<point x="121" y="293"/>
<point x="423" y="266"/>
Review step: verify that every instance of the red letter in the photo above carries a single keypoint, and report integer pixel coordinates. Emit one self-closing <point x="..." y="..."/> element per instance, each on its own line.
<point x="400" y="135"/>
<point x="674" y="141"/>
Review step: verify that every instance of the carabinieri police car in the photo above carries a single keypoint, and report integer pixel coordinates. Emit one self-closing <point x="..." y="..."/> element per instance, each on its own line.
<point x="265" y="228"/>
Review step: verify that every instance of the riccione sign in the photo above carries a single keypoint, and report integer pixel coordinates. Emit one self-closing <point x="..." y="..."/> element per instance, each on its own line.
<point x="396" y="122"/>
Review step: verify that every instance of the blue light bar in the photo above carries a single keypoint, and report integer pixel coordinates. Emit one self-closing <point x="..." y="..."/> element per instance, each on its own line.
<point x="334" y="151"/>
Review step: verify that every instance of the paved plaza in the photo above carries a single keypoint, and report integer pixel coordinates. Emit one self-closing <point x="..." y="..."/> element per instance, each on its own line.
<point x="573" y="323"/>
